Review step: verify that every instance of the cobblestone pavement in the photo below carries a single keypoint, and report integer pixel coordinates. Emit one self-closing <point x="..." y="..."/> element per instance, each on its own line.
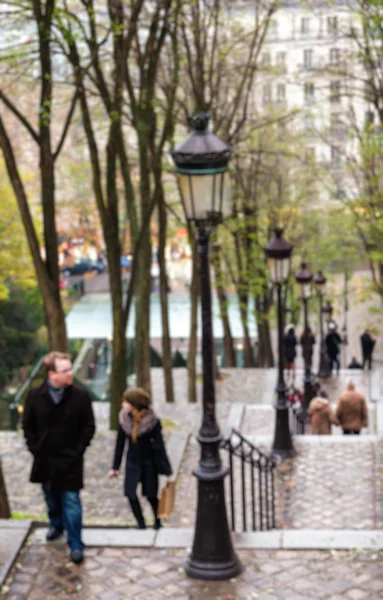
<point x="312" y="491"/>
<point x="103" y="499"/>
<point x="332" y="485"/>
<point x="128" y="573"/>
<point x="329" y="485"/>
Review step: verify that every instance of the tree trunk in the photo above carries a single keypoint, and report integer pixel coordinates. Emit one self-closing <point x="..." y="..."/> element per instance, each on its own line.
<point x="265" y="349"/>
<point x="5" y="512"/>
<point x="119" y="369"/>
<point x="193" y="340"/>
<point x="166" y="343"/>
<point x="142" y="325"/>
<point x="247" y="349"/>
<point x="223" y="304"/>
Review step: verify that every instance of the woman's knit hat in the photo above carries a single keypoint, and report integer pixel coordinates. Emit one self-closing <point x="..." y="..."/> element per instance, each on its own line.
<point x="137" y="397"/>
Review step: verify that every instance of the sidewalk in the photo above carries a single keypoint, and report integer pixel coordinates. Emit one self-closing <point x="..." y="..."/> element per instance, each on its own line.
<point x="44" y="573"/>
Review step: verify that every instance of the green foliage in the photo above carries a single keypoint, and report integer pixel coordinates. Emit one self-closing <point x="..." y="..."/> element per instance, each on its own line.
<point x="15" y="261"/>
<point x="328" y="240"/>
<point x="21" y="316"/>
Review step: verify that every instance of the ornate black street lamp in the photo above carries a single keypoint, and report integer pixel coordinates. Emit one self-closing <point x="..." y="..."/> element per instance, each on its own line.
<point x="202" y="168"/>
<point x="327" y="310"/>
<point x="304" y="278"/>
<point x="278" y="252"/>
<point x="320" y="284"/>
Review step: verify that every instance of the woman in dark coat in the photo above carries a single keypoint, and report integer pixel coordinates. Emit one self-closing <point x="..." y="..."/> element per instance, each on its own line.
<point x="289" y="347"/>
<point x="146" y="457"/>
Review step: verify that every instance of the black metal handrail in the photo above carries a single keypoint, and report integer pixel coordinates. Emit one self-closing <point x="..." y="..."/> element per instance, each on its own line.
<point x="298" y="418"/>
<point x="257" y="485"/>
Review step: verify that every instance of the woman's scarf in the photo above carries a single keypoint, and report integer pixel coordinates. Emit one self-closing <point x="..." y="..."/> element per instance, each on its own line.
<point x="137" y="423"/>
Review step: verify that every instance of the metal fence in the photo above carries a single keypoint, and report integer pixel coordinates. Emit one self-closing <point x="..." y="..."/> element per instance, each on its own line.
<point x="251" y="485"/>
<point x="298" y="419"/>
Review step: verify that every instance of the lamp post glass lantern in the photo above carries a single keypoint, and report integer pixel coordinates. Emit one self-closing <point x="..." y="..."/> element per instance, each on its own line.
<point x="320" y="284"/>
<point x="304" y="279"/>
<point x="278" y="253"/>
<point x="202" y="163"/>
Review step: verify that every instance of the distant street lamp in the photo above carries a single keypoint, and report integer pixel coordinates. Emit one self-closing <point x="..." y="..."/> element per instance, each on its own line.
<point x="320" y="284"/>
<point x="327" y="310"/>
<point x="304" y="278"/>
<point x="202" y="168"/>
<point x="278" y="252"/>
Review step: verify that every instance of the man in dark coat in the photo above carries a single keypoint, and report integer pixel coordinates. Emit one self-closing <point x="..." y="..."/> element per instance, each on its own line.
<point x="368" y="343"/>
<point x="58" y="425"/>
<point x="333" y="342"/>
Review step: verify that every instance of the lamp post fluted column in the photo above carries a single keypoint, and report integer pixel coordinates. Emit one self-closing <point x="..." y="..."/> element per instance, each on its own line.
<point x="304" y="278"/>
<point x="320" y="283"/>
<point x="212" y="555"/>
<point x="282" y="444"/>
<point x="278" y="253"/>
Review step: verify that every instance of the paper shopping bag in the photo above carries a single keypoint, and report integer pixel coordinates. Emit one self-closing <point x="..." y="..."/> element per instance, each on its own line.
<point x="166" y="503"/>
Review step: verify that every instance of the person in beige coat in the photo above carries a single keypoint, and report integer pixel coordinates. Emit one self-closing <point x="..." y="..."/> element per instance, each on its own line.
<point x="321" y="415"/>
<point x="352" y="410"/>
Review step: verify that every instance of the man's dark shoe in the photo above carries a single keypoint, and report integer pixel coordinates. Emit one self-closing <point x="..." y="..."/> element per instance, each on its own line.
<point x="54" y="533"/>
<point x="141" y="524"/>
<point x="157" y="524"/>
<point x="77" y="556"/>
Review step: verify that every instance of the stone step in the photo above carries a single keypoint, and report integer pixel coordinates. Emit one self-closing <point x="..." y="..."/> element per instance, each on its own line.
<point x="294" y="539"/>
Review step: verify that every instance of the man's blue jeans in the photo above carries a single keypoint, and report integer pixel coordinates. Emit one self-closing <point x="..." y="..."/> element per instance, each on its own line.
<point x="65" y="512"/>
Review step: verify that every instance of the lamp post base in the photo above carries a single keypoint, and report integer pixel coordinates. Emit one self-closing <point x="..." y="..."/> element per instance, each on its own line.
<point x="324" y="370"/>
<point x="283" y="444"/>
<point x="212" y="556"/>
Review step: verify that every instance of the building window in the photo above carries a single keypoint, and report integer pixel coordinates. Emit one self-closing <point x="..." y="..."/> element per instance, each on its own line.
<point x="332" y="25"/>
<point x="272" y="30"/>
<point x="281" y="93"/>
<point x="267" y="94"/>
<point x="281" y="60"/>
<point x="369" y="118"/>
<point x="305" y="26"/>
<point x="334" y="56"/>
<point x="309" y="154"/>
<point x="308" y="58"/>
<point x="309" y="92"/>
<point x="309" y="124"/>
<point x="266" y="59"/>
<point x="336" y="126"/>
<point x="335" y="92"/>
<point x="336" y="155"/>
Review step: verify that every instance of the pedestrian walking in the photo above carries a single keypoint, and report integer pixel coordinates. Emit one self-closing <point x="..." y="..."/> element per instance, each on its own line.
<point x="289" y="348"/>
<point x="308" y="343"/>
<point x="58" y="426"/>
<point x="368" y="342"/>
<point x="321" y="414"/>
<point x="352" y="411"/>
<point x="146" y="456"/>
<point x="333" y="342"/>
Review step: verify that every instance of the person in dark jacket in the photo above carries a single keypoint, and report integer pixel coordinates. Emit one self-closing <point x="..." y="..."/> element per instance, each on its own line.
<point x="146" y="457"/>
<point x="354" y="364"/>
<point x="333" y="342"/>
<point x="308" y="343"/>
<point x="289" y="347"/>
<point x="58" y="426"/>
<point x="368" y="343"/>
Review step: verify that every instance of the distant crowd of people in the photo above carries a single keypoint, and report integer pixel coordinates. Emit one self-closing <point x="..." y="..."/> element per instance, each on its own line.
<point x="333" y="343"/>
